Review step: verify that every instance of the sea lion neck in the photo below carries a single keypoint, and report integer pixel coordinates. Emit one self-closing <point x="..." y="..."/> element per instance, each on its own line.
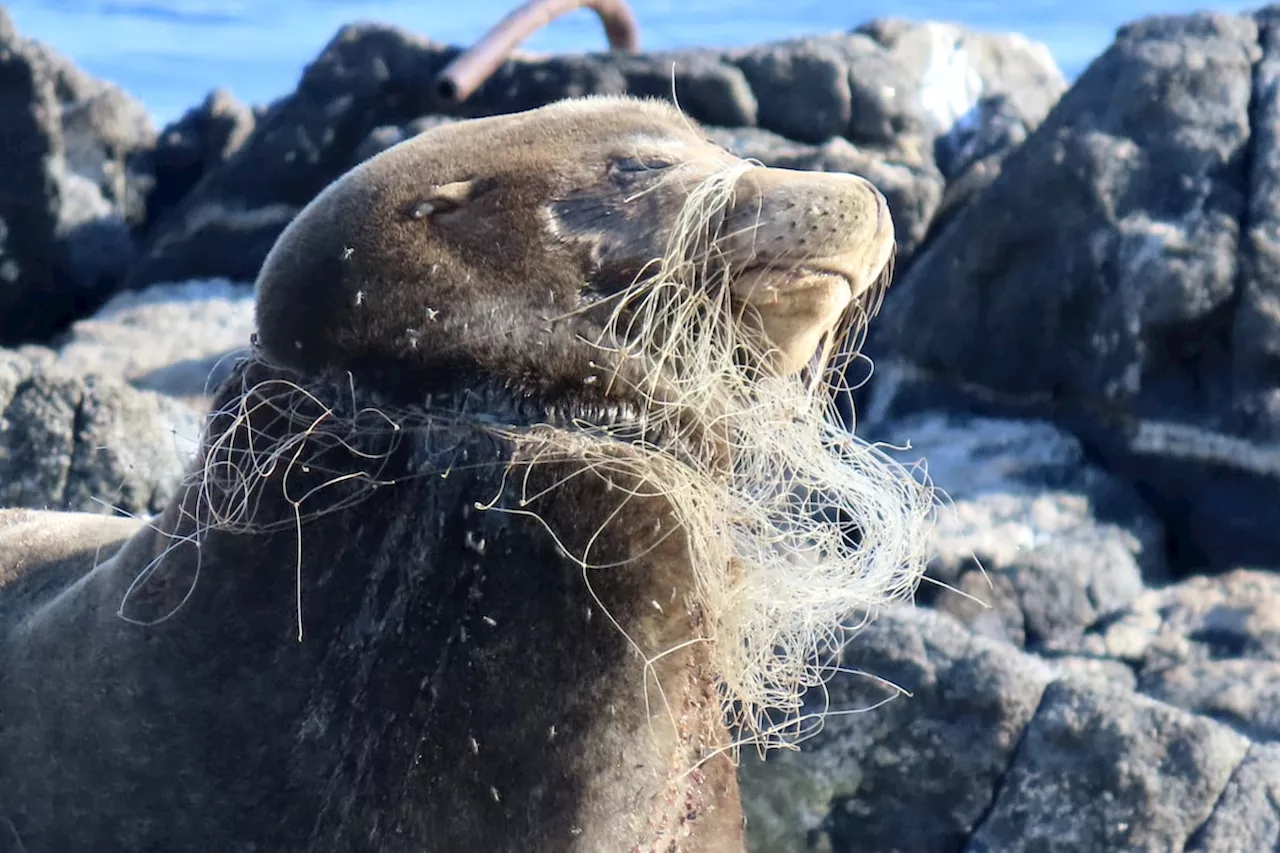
<point x="607" y="405"/>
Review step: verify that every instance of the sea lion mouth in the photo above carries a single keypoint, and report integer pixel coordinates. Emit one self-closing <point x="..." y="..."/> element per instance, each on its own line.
<point x="806" y="290"/>
<point x="796" y="305"/>
<point x="766" y="284"/>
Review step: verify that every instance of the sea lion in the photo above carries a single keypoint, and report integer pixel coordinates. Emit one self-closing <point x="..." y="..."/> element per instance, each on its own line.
<point x="526" y="505"/>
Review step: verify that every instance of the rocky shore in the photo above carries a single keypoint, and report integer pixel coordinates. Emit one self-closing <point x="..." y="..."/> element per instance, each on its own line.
<point x="1083" y="342"/>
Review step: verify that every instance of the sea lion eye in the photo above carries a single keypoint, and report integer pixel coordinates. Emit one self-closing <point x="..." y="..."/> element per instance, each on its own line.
<point x="640" y="164"/>
<point x="426" y="207"/>
<point x="443" y="199"/>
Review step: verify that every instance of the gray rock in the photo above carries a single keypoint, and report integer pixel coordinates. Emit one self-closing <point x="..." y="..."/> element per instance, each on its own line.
<point x="1245" y="693"/>
<point x="1034" y="544"/>
<point x="976" y="92"/>
<point x="1247" y="816"/>
<point x="802" y="89"/>
<point x="180" y="340"/>
<point x="933" y="88"/>
<point x="974" y="155"/>
<point x="1255" y="335"/>
<point x="1102" y="769"/>
<point x="523" y="84"/>
<point x="382" y="138"/>
<point x="886" y="106"/>
<point x="71" y="192"/>
<point x="866" y="779"/>
<point x="193" y="146"/>
<point x="1094" y="156"/>
<point x="379" y="140"/>
<point x="1097" y="280"/>
<point x="704" y="83"/>
<point x="996" y="749"/>
<point x="1209" y="644"/>
<point x="88" y="444"/>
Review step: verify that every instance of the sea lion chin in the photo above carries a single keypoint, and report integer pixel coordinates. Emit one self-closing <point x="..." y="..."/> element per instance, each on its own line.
<point x="525" y="511"/>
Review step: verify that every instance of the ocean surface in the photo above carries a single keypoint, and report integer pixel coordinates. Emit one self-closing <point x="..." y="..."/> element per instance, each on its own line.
<point x="169" y="53"/>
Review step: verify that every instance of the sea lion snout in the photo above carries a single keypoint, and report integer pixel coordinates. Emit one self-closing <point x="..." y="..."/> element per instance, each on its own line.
<point x="810" y="245"/>
<point x="785" y="218"/>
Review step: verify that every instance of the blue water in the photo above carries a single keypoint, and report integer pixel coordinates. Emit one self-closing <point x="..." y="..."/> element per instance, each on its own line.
<point x="169" y="53"/>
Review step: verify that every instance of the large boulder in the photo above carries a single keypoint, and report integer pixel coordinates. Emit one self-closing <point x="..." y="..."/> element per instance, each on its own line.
<point x="705" y="83"/>
<point x="975" y="94"/>
<point x="884" y="759"/>
<point x="895" y="84"/>
<point x="833" y="93"/>
<point x="72" y="195"/>
<point x="1115" y="276"/>
<point x="1104" y="769"/>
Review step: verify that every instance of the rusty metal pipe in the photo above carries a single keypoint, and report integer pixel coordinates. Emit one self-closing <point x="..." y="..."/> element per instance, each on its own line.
<point x="465" y="74"/>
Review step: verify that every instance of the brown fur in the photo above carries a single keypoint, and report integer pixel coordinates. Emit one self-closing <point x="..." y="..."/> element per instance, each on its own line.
<point x="463" y="680"/>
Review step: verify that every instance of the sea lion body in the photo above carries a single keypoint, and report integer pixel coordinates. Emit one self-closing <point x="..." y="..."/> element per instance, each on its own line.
<point x="414" y="714"/>
<point x="393" y="609"/>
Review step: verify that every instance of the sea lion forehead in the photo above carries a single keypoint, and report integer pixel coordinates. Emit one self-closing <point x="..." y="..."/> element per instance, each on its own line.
<point x="584" y="132"/>
<point x="590" y="117"/>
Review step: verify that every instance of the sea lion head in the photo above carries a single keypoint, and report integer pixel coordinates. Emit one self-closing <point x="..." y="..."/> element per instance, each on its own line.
<point x="494" y="241"/>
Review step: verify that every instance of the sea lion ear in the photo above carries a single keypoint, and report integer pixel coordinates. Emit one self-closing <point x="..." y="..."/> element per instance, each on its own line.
<point x="443" y="198"/>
